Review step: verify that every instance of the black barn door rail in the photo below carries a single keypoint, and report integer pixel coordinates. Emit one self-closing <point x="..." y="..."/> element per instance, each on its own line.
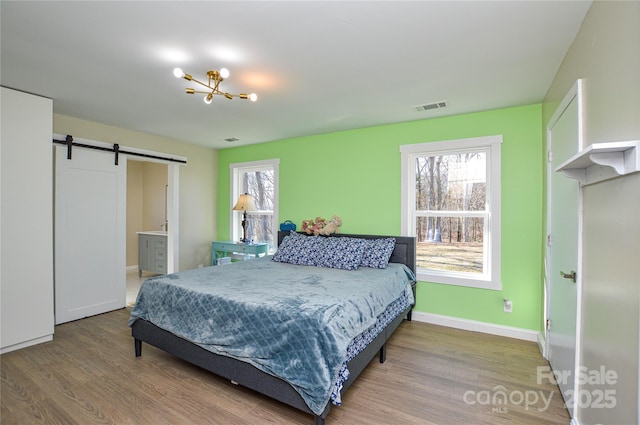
<point x="115" y="149"/>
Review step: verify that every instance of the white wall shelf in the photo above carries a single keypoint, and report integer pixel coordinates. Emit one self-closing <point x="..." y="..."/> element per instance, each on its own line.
<point x="603" y="161"/>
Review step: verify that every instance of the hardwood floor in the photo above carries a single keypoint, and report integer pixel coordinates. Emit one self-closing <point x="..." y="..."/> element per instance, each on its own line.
<point x="433" y="375"/>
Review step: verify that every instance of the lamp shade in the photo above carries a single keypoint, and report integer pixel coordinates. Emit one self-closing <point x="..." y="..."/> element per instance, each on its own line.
<point x="245" y="203"/>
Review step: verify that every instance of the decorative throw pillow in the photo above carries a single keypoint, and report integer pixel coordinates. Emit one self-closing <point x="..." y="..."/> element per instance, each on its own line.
<point x="298" y="249"/>
<point x="378" y="252"/>
<point x="341" y="253"/>
<point x="284" y="249"/>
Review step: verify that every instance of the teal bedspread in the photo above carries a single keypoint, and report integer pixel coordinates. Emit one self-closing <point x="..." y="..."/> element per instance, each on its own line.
<point x="294" y="322"/>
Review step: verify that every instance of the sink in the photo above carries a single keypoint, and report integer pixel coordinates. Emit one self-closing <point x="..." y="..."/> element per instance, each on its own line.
<point x="153" y="232"/>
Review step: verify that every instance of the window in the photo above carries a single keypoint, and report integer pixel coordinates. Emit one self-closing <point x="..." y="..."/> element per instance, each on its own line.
<point x="260" y="180"/>
<point x="451" y="203"/>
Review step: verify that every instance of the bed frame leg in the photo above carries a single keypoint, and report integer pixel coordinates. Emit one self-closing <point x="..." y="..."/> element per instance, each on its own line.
<point x="138" y="347"/>
<point x="383" y="353"/>
<point x="319" y="420"/>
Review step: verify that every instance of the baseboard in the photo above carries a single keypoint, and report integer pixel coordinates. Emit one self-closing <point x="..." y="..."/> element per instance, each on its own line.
<point x="475" y="326"/>
<point x="542" y="344"/>
<point x="132" y="268"/>
<point x="26" y="344"/>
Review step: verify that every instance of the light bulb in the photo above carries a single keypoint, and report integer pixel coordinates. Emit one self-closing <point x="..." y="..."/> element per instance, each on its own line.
<point x="208" y="98"/>
<point x="178" y="73"/>
<point x="253" y="97"/>
<point x="224" y="73"/>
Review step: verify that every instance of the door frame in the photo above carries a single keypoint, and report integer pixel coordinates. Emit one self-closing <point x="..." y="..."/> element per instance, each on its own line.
<point x="575" y="93"/>
<point x="173" y="192"/>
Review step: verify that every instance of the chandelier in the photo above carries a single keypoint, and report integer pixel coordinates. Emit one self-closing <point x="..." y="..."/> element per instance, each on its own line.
<point x="212" y="85"/>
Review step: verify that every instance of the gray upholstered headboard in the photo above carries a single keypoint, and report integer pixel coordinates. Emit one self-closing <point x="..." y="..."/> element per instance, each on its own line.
<point x="404" y="251"/>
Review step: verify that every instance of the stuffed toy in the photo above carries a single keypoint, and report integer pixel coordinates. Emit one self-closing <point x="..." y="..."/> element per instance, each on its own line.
<point x="306" y="226"/>
<point x="311" y="227"/>
<point x="331" y="227"/>
<point x="318" y="225"/>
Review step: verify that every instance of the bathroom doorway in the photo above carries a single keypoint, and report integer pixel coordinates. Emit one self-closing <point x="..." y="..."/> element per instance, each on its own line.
<point x="152" y="207"/>
<point x="147" y="211"/>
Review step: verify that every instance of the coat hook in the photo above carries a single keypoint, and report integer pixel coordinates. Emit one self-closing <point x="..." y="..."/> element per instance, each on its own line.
<point x="571" y="275"/>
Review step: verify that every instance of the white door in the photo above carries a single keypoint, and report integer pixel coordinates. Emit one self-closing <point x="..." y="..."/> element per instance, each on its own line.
<point x="562" y="251"/>
<point x="90" y="226"/>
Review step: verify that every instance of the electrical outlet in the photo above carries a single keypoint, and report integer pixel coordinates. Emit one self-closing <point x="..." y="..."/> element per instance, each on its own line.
<point x="507" y="305"/>
<point x="200" y="266"/>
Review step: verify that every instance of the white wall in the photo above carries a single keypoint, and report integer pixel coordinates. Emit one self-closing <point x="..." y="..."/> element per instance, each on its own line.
<point x="134" y="209"/>
<point x="606" y="54"/>
<point x="154" y="180"/>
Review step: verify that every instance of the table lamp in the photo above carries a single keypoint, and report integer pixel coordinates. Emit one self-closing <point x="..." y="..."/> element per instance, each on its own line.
<point x="244" y="204"/>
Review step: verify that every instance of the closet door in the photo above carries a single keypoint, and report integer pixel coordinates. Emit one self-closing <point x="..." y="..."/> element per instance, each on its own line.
<point x="563" y="257"/>
<point x="26" y="288"/>
<point x="90" y="226"/>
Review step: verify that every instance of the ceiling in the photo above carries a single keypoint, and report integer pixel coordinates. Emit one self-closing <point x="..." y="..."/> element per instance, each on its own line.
<point x="317" y="66"/>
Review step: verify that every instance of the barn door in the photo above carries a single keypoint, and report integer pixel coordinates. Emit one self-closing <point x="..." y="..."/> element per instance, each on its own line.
<point x="90" y="226"/>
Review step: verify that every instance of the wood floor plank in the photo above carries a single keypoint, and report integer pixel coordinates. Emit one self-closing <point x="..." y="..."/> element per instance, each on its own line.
<point x="89" y="375"/>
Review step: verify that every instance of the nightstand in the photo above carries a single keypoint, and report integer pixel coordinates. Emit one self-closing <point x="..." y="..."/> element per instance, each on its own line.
<point x="224" y="248"/>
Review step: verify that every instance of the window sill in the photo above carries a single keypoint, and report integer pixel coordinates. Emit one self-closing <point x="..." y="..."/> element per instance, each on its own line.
<point x="469" y="282"/>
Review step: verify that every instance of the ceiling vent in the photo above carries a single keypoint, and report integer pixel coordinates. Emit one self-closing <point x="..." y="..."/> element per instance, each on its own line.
<point x="430" y="106"/>
<point x="231" y="139"/>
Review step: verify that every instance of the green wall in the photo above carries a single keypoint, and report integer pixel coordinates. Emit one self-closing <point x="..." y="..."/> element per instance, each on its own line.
<point x="356" y="175"/>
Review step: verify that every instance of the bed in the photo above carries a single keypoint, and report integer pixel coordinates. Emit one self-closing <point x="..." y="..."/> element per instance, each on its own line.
<point x="322" y="339"/>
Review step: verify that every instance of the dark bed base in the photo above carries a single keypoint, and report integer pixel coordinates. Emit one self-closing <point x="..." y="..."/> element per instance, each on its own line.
<point x="248" y="376"/>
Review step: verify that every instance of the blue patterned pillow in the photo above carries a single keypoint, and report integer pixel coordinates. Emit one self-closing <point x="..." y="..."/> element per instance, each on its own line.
<point x="341" y="253"/>
<point x="378" y="252"/>
<point x="298" y="249"/>
<point x="284" y="249"/>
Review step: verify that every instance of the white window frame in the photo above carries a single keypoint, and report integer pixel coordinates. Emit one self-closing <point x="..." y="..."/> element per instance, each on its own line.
<point x="490" y="279"/>
<point x="236" y="170"/>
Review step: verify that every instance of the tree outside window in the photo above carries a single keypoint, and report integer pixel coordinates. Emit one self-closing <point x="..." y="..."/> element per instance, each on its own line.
<point x="451" y="203"/>
<point x="451" y="211"/>
<point x="259" y="179"/>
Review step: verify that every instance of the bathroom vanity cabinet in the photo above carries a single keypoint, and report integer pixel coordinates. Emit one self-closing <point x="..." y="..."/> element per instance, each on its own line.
<point x="152" y="252"/>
